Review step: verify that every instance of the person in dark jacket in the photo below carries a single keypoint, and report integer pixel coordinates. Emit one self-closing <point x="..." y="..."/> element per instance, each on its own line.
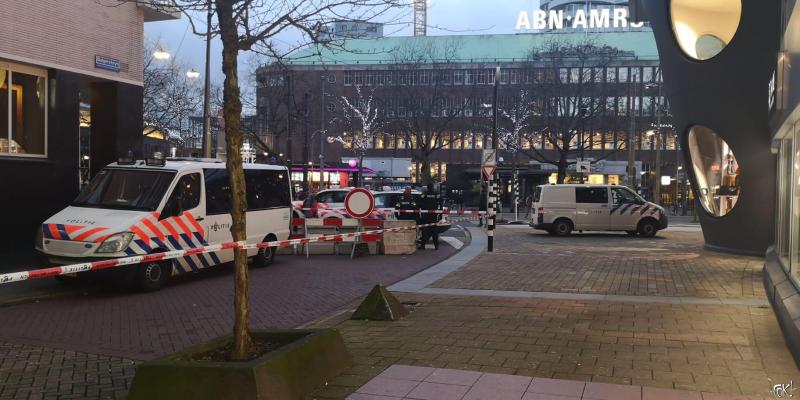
<point x="430" y="201"/>
<point x="310" y="205"/>
<point x="406" y="203"/>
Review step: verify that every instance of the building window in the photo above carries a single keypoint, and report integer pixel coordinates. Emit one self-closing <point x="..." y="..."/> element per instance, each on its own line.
<point x="622" y="74"/>
<point x="23" y="113"/>
<point x="784" y="201"/>
<point x="716" y="171"/>
<point x="704" y="29"/>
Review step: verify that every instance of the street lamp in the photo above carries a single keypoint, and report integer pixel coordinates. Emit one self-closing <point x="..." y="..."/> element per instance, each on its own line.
<point x="193" y="73"/>
<point x="161" y="54"/>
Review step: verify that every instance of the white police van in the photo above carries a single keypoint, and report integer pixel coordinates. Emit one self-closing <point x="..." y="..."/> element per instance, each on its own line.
<point x="142" y="207"/>
<point x="562" y="209"/>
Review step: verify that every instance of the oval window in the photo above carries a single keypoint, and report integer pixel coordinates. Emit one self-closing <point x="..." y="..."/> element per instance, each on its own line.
<point x="716" y="171"/>
<point x="704" y="28"/>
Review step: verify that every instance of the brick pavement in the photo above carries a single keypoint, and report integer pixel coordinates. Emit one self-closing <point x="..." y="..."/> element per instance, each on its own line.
<point x="71" y="332"/>
<point x="674" y="264"/>
<point x="711" y="348"/>
<point x="35" y="372"/>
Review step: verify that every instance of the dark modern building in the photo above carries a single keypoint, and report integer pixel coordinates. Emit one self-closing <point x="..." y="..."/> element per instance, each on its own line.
<point x="736" y="104"/>
<point x="443" y="87"/>
<point x="70" y="100"/>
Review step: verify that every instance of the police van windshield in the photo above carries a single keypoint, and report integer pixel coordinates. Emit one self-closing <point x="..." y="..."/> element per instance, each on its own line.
<point x="125" y="189"/>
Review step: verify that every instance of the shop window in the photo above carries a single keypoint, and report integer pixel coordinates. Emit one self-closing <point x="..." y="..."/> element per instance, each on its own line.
<point x="23" y="97"/>
<point x="704" y="28"/>
<point x="716" y="170"/>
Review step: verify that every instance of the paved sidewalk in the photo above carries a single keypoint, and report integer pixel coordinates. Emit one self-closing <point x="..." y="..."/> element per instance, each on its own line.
<point x="600" y="308"/>
<point x="402" y="382"/>
<point x="674" y="264"/>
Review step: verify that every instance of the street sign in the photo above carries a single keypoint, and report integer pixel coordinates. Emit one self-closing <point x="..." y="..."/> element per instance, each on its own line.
<point x="583" y="167"/>
<point x="489" y="157"/>
<point x="488" y="171"/>
<point x="359" y="203"/>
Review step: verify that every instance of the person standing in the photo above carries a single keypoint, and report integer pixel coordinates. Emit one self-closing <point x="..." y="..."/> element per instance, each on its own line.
<point x="406" y="203"/>
<point x="430" y="202"/>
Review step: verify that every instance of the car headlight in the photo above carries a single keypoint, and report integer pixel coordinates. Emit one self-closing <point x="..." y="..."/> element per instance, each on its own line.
<point x="116" y="243"/>
<point x="38" y="243"/>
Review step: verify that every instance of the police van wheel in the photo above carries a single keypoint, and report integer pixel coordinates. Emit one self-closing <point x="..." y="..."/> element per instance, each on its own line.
<point x="647" y="228"/>
<point x="562" y="227"/>
<point x="266" y="255"/>
<point x="153" y="276"/>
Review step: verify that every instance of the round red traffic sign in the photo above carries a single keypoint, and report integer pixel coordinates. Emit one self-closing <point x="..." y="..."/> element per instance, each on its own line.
<point x="359" y="203"/>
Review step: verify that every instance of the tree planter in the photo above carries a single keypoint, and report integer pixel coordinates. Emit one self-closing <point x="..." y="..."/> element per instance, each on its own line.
<point x="309" y="360"/>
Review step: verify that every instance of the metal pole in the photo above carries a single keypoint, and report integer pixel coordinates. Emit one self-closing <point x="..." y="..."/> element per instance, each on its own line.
<point x="289" y="108"/>
<point x="657" y="186"/>
<point x="306" y="147"/>
<point x="206" y="95"/>
<point x="632" y="140"/>
<point x="322" y="135"/>
<point x="492" y="191"/>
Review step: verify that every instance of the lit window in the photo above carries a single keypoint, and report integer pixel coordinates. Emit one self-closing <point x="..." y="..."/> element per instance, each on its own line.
<point x="23" y="97"/>
<point x="704" y="28"/>
<point x="716" y="170"/>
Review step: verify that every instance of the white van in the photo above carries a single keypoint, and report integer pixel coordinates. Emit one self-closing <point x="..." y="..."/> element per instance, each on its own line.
<point x="137" y="208"/>
<point x="561" y="209"/>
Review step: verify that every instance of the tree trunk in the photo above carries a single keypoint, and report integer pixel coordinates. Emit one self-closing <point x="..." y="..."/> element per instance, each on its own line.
<point x="562" y="169"/>
<point x="232" y="110"/>
<point x="426" y="177"/>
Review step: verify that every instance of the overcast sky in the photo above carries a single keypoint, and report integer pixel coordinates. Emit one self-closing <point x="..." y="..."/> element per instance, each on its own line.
<point x="454" y="16"/>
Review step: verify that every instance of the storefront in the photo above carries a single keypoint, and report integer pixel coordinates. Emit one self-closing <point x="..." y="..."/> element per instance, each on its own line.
<point x="782" y="270"/>
<point x="70" y="102"/>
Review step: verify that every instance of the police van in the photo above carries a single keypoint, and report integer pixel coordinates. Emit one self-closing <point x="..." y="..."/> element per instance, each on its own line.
<point x="562" y="209"/>
<point x="139" y="207"/>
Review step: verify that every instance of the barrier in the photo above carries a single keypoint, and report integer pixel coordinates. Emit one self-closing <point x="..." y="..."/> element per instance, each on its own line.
<point x="118" y="262"/>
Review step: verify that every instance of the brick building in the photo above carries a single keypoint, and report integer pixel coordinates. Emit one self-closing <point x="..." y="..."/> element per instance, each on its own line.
<point x="70" y="90"/>
<point x="446" y="83"/>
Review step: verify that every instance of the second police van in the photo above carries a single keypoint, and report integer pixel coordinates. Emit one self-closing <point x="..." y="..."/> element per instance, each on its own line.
<point x="142" y="207"/>
<point x="562" y="209"/>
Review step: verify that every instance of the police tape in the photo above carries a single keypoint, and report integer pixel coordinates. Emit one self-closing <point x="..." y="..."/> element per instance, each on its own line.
<point x="413" y="211"/>
<point x="169" y="255"/>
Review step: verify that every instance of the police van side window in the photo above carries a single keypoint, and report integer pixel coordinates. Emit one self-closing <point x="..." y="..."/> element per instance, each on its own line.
<point x="591" y="195"/>
<point x="266" y="189"/>
<point x="218" y="191"/>
<point x="185" y="196"/>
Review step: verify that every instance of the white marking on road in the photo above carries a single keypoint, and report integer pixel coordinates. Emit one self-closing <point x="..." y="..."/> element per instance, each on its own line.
<point x="457" y="244"/>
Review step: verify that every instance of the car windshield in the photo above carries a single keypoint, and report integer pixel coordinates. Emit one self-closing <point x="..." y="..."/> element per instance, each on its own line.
<point x="125" y="189"/>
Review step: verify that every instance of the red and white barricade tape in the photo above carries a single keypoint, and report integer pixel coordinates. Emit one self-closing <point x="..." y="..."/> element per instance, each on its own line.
<point x="415" y="211"/>
<point x="168" y="255"/>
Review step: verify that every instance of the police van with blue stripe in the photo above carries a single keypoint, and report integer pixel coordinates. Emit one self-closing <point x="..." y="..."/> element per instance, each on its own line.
<point x="563" y="209"/>
<point x="139" y="207"/>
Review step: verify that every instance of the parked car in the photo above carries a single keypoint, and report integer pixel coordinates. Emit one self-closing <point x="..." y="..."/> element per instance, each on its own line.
<point x="137" y="208"/>
<point x="562" y="209"/>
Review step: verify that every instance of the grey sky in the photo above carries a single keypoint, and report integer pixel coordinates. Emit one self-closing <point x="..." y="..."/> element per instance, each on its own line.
<point x="454" y="16"/>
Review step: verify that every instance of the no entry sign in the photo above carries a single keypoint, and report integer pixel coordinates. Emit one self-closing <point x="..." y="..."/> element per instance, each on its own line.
<point x="359" y="203"/>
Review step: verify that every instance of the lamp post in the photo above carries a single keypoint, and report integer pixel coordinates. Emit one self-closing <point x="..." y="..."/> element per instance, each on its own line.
<point x="658" y="133"/>
<point x="322" y="129"/>
<point x="206" y="87"/>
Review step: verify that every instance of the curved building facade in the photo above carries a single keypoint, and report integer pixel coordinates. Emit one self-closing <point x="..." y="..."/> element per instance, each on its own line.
<point x="718" y="58"/>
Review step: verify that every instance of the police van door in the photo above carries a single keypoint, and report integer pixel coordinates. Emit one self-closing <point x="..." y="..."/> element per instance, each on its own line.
<point x="624" y="203"/>
<point x="591" y="208"/>
<point x="183" y="218"/>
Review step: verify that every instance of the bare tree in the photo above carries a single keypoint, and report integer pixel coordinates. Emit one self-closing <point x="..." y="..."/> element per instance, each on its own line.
<point x="433" y="99"/>
<point x="170" y="97"/>
<point x="564" y="78"/>
<point x="256" y="25"/>
<point x="363" y="115"/>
